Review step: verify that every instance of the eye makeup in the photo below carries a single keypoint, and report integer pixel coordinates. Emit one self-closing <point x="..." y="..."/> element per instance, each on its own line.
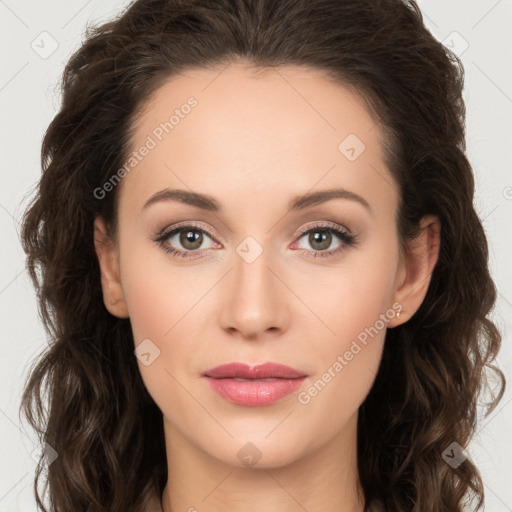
<point x="327" y="231"/>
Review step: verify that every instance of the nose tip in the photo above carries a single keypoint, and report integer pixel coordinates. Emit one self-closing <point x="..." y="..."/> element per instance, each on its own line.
<point x="252" y="303"/>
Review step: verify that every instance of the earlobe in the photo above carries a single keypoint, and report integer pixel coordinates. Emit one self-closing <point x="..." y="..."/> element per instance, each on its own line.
<point x="417" y="268"/>
<point x="113" y="296"/>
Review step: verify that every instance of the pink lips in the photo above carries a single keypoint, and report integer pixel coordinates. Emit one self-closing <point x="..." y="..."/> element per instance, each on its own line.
<point x="254" y="385"/>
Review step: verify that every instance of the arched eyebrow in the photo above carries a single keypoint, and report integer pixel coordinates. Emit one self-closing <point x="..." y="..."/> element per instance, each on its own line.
<point x="209" y="203"/>
<point x="203" y="201"/>
<point x="322" y="196"/>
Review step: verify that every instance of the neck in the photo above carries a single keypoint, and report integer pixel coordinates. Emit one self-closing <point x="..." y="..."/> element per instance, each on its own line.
<point x="323" y="480"/>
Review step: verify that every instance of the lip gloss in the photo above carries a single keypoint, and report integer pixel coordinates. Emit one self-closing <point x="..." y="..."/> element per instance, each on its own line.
<point x="254" y="392"/>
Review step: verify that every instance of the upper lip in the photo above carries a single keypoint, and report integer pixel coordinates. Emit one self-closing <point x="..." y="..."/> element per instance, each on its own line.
<point x="260" y="371"/>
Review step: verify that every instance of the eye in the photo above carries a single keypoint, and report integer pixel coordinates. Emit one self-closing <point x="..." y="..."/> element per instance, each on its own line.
<point x="321" y="237"/>
<point x="189" y="236"/>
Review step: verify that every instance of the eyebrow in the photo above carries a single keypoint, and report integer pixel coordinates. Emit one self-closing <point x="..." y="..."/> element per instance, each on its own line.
<point x="206" y="202"/>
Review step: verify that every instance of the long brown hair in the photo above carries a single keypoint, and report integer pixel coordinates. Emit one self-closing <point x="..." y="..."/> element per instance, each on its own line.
<point x="105" y="427"/>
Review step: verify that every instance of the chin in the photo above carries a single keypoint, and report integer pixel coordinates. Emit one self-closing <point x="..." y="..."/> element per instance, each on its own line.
<point x="259" y="452"/>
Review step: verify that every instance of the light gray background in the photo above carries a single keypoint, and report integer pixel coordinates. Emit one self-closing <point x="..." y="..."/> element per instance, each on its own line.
<point x="478" y="30"/>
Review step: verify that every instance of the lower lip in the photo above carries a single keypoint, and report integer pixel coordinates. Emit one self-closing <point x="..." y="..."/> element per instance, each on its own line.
<point x="254" y="393"/>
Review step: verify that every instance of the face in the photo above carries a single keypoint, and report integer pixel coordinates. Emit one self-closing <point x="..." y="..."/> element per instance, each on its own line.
<point x="262" y="270"/>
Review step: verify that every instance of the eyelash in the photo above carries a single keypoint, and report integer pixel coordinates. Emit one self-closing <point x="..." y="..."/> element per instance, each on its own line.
<point x="347" y="239"/>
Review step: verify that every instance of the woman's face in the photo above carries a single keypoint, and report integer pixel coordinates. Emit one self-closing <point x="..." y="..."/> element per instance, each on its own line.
<point x="255" y="280"/>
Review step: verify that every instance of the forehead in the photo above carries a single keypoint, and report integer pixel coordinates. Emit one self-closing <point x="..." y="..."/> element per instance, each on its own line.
<point x="239" y="130"/>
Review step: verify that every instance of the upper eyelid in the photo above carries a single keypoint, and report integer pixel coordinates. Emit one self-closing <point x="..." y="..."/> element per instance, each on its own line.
<point x="325" y="225"/>
<point x="177" y="228"/>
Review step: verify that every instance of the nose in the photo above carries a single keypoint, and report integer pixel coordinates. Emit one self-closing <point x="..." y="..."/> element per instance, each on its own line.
<point x="254" y="300"/>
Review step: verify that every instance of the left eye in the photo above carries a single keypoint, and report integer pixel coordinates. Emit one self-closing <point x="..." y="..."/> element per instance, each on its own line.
<point x="320" y="238"/>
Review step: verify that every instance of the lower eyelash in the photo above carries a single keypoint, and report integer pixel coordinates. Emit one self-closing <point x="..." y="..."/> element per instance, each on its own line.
<point x="346" y="238"/>
<point x="180" y="254"/>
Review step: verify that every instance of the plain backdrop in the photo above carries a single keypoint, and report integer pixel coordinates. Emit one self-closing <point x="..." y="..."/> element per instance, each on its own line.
<point x="37" y="38"/>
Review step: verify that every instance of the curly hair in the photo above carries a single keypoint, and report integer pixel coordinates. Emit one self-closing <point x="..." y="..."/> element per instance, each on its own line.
<point x="105" y="427"/>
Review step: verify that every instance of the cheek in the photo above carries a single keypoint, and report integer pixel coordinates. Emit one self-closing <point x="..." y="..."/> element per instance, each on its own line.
<point x="161" y="304"/>
<point x="158" y="312"/>
<point x="356" y="309"/>
<point x="345" y="367"/>
<point x="157" y="296"/>
<point x="350" y="298"/>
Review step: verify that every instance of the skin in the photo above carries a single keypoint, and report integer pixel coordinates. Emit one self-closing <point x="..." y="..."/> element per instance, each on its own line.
<point x="254" y="142"/>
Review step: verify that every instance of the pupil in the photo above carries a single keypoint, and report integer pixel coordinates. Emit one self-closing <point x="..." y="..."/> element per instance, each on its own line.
<point x="191" y="237"/>
<point x="322" y="238"/>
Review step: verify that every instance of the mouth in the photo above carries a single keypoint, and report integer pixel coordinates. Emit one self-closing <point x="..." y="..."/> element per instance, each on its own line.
<point x="254" y="385"/>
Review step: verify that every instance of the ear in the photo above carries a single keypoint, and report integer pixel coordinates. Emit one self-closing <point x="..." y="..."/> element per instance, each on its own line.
<point x="413" y="278"/>
<point x="107" y="254"/>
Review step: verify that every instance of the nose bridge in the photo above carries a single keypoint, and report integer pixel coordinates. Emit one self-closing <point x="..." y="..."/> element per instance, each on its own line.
<point x="253" y="302"/>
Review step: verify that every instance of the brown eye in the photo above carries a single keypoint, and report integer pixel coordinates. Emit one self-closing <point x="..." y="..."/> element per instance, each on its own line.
<point x="320" y="239"/>
<point x="191" y="239"/>
<point x="185" y="240"/>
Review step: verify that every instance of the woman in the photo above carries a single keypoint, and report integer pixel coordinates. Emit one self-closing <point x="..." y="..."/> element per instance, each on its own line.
<point x="258" y="259"/>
